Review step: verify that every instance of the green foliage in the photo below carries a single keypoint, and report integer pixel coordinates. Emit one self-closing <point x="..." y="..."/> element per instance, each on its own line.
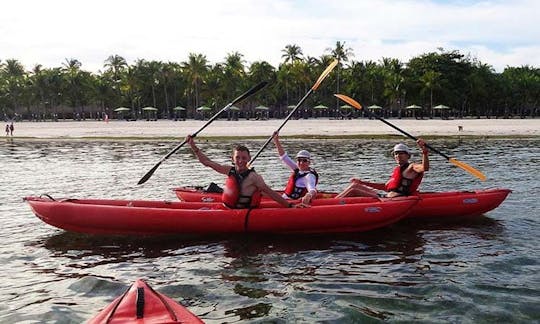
<point x="469" y="87"/>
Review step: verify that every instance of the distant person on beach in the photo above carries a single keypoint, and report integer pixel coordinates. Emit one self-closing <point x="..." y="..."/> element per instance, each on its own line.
<point x="243" y="187"/>
<point x="7" y="129"/>
<point x="11" y="128"/>
<point x="405" y="178"/>
<point x="303" y="180"/>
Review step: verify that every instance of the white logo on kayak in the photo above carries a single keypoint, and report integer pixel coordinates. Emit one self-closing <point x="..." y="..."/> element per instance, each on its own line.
<point x="372" y="209"/>
<point x="207" y="199"/>
<point x="470" y="201"/>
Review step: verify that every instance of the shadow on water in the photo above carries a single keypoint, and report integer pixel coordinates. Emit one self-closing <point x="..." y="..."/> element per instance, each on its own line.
<point x="404" y="237"/>
<point x="258" y="270"/>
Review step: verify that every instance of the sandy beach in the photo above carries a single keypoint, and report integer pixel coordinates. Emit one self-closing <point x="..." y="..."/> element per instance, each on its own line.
<point x="254" y="128"/>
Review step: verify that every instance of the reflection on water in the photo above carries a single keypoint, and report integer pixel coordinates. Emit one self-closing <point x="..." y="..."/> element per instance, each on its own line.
<point x="412" y="271"/>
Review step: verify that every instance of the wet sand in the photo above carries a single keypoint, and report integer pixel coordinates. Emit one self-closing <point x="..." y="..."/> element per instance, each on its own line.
<point x="254" y="128"/>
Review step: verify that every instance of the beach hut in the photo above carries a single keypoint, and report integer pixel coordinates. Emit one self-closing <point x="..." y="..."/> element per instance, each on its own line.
<point x="232" y="113"/>
<point x="320" y="110"/>
<point x="150" y="112"/>
<point x="120" y="111"/>
<point x="443" y="111"/>
<point x="345" y="111"/>
<point x="179" y="113"/>
<point x="413" y="108"/>
<point x="262" y="112"/>
<point x="203" y="110"/>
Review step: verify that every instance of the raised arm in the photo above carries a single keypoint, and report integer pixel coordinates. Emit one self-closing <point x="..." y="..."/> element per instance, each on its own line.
<point x="223" y="169"/>
<point x="279" y="148"/>
<point x="424" y="166"/>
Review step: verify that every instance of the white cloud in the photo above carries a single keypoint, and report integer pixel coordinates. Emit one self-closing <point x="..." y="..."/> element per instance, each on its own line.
<point x="499" y="33"/>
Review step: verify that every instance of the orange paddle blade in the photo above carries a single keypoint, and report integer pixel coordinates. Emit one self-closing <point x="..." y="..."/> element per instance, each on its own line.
<point x="349" y="100"/>
<point x="324" y="74"/>
<point x="468" y="168"/>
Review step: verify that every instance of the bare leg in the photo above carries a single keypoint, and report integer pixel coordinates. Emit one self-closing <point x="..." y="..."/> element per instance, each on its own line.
<point x="356" y="190"/>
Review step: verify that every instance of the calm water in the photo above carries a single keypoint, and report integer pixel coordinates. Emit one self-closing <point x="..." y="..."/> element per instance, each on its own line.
<point x="481" y="271"/>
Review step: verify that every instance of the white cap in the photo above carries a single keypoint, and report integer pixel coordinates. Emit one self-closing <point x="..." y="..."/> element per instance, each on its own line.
<point x="402" y="148"/>
<point x="303" y="154"/>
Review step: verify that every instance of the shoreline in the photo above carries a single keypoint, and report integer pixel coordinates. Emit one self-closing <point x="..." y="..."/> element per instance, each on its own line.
<point x="254" y="129"/>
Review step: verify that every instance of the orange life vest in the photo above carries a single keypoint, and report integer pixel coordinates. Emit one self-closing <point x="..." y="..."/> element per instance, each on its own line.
<point x="405" y="186"/>
<point x="231" y="196"/>
<point x="294" y="192"/>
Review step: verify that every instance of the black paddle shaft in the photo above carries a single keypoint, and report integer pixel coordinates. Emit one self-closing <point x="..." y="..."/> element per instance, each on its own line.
<point x="407" y="134"/>
<point x="281" y="126"/>
<point x="240" y="98"/>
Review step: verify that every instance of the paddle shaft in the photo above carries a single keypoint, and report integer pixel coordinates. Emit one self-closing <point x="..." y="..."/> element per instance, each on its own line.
<point x="315" y="86"/>
<point x="408" y="135"/>
<point x="238" y="99"/>
<point x="281" y="126"/>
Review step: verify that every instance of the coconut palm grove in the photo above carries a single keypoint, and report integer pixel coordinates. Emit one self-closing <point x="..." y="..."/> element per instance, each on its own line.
<point x="446" y="84"/>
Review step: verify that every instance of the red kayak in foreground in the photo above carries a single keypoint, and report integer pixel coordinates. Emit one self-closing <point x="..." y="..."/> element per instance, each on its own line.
<point x="101" y="216"/>
<point x="440" y="205"/>
<point x="142" y="304"/>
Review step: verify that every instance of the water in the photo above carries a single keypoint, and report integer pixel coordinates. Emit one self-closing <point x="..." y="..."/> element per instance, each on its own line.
<point x="484" y="270"/>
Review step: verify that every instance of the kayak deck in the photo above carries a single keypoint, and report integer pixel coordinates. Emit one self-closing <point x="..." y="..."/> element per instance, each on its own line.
<point x="102" y="216"/>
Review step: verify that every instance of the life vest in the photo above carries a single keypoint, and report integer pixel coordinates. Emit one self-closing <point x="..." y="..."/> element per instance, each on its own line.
<point x="405" y="186"/>
<point x="294" y="192"/>
<point x="231" y="196"/>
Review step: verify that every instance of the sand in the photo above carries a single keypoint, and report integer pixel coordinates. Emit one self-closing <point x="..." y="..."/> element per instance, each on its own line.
<point x="255" y="128"/>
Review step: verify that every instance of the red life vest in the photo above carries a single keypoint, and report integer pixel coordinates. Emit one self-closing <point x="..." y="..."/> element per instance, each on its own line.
<point x="405" y="186"/>
<point x="294" y="192"/>
<point x="231" y="196"/>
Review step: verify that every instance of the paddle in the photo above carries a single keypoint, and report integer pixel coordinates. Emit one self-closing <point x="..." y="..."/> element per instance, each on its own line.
<point x="323" y="76"/>
<point x="240" y="98"/>
<point x="454" y="161"/>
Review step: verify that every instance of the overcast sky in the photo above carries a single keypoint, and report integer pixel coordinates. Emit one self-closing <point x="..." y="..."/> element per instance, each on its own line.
<point x="499" y="33"/>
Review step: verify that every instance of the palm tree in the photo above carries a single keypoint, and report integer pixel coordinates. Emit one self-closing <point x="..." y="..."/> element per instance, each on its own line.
<point x="291" y="53"/>
<point x="234" y="73"/>
<point x="342" y="54"/>
<point x="393" y="81"/>
<point x="14" y="79"/>
<point x="429" y="82"/>
<point x="263" y="71"/>
<point x="196" y="70"/>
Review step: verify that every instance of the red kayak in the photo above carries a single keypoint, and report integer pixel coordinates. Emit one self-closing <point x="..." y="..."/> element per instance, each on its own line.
<point x="142" y="304"/>
<point x="101" y="216"/>
<point x="439" y="205"/>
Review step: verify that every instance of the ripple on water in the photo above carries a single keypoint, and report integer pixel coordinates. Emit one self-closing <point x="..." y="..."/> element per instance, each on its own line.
<point x="469" y="271"/>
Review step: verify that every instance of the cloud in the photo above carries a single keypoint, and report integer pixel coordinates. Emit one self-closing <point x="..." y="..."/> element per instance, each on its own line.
<point x="499" y="33"/>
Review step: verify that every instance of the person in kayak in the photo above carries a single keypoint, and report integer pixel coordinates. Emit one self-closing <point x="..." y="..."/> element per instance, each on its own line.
<point x="243" y="186"/>
<point x="303" y="181"/>
<point x="404" y="180"/>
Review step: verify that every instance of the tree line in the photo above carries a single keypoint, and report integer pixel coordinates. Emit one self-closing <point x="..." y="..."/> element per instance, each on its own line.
<point x="467" y="86"/>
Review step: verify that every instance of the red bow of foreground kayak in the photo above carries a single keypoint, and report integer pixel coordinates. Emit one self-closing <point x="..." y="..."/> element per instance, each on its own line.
<point x="142" y="304"/>
<point x="436" y="205"/>
<point x="101" y="216"/>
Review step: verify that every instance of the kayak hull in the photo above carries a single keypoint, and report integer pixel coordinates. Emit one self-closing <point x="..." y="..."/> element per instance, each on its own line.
<point x="142" y="304"/>
<point x="101" y="216"/>
<point x="440" y="205"/>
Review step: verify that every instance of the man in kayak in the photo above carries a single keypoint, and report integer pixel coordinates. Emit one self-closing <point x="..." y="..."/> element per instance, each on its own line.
<point x="404" y="180"/>
<point x="303" y="180"/>
<point x="243" y="186"/>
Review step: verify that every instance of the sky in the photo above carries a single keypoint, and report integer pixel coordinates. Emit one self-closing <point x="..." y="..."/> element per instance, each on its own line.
<point x="47" y="32"/>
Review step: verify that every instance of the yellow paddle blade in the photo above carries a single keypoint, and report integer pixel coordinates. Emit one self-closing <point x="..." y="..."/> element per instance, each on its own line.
<point x="349" y="100"/>
<point x="468" y="168"/>
<point x="324" y="74"/>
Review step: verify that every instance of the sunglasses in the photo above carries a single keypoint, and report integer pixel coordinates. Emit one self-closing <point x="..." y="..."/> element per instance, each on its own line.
<point x="302" y="160"/>
<point x="400" y="152"/>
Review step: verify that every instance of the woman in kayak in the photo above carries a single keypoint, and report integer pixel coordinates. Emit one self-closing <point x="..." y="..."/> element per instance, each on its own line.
<point x="404" y="180"/>
<point x="243" y="186"/>
<point x="303" y="180"/>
